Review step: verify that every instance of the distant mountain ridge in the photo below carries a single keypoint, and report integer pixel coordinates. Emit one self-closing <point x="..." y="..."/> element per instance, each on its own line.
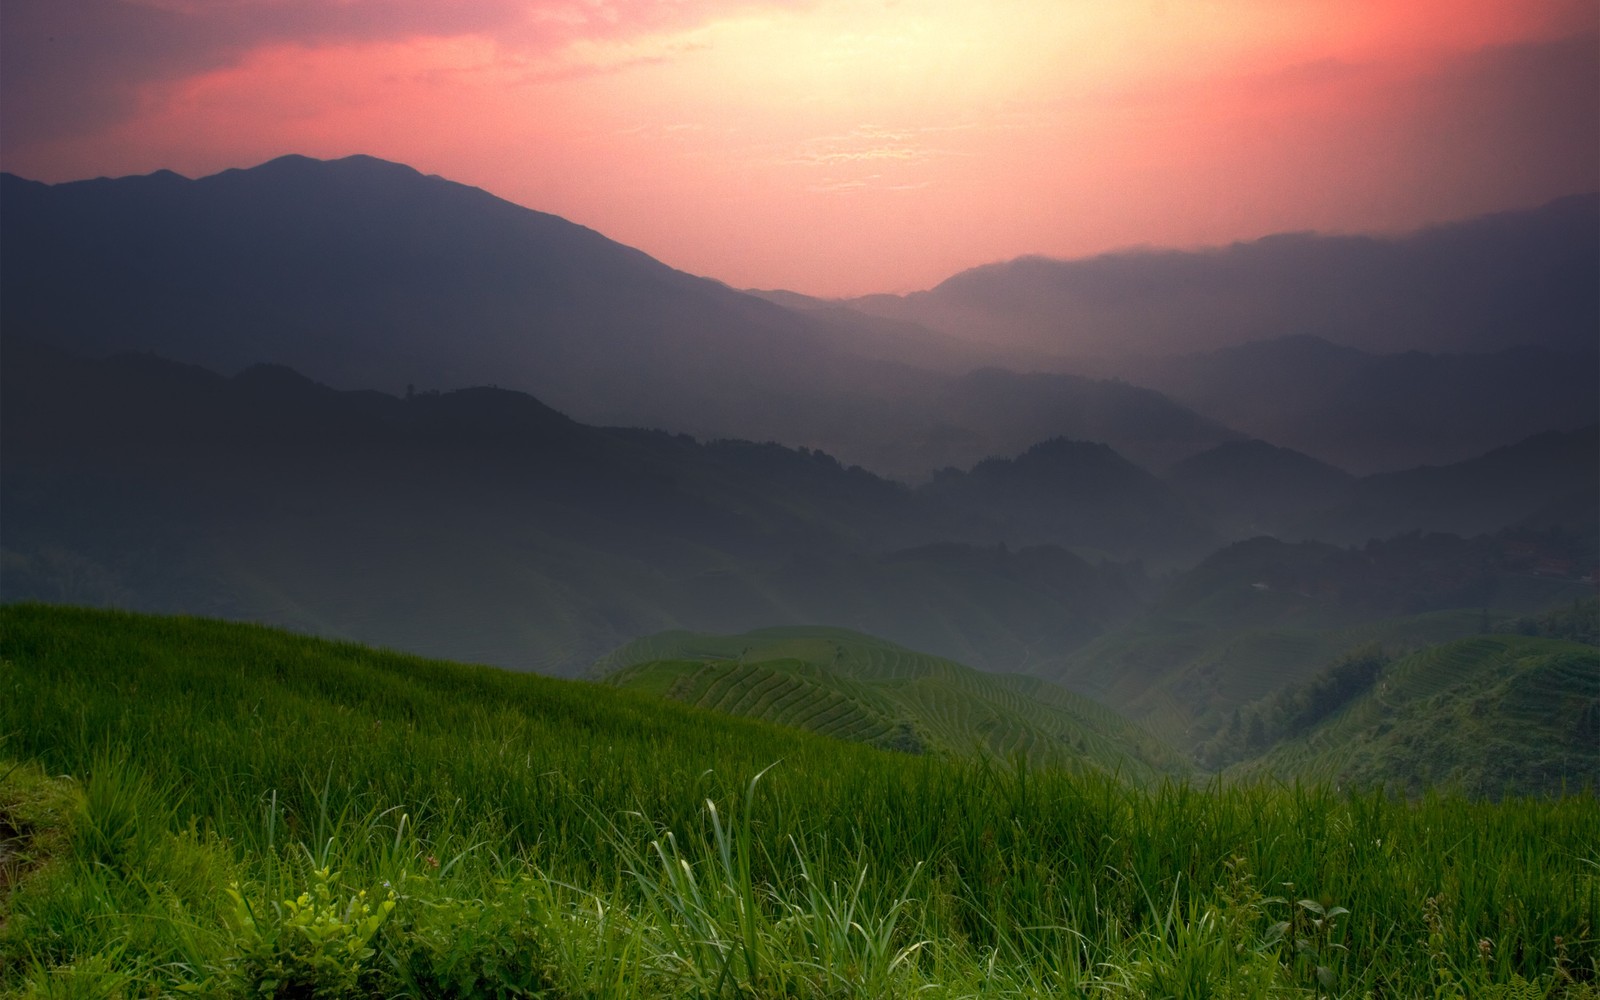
<point x="487" y="524"/>
<point x="1012" y="411"/>
<point x="366" y="274"/>
<point x="1248" y="488"/>
<point x="1549" y="479"/>
<point x="1482" y="284"/>
<point x="1079" y="494"/>
<point x="1368" y="412"/>
<point x="482" y="523"/>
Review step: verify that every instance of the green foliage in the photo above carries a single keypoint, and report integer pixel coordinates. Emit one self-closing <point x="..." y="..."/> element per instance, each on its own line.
<point x="516" y="836"/>
<point x="477" y="947"/>
<point x="317" y="944"/>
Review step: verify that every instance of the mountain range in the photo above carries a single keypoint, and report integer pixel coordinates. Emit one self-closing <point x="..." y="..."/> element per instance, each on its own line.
<point x="360" y="402"/>
<point x="481" y="523"/>
<point x="1368" y="412"/>
<point x="484" y="525"/>
<point x="1517" y="278"/>
<point x="365" y="274"/>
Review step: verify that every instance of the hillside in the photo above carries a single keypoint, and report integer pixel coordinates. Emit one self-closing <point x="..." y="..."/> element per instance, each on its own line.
<point x="1492" y="715"/>
<point x="1549" y="479"/>
<point x="266" y="814"/>
<point x="365" y="274"/>
<point x="482" y="524"/>
<point x="1078" y="494"/>
<point x="1262" y="614"/>
<point x="993" y="412"/>
<point x="1505" y="280"/>
<point x="1376" y="411"/>
<point x="853" y="686"/>
<point x="1250" y="488"/>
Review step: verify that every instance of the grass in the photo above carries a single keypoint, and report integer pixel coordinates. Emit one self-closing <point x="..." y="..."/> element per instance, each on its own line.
<point x="249" y="813"/>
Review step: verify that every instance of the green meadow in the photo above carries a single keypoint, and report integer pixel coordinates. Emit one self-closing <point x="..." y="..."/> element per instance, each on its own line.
<point x="195" y="808"/>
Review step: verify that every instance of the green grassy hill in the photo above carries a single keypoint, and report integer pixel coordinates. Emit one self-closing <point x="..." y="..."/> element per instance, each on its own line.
<point x="196" y="808"/>
<point x="1492" y="714"/>
<point x="1262" y="614"/>
<point x="852" y="686"/>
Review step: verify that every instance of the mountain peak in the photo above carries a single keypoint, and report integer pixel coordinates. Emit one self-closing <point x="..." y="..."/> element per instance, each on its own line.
<point x="357" y="162"/>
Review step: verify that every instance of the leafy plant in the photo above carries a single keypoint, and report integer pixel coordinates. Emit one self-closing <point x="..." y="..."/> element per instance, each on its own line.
<point x="316" y="944"/>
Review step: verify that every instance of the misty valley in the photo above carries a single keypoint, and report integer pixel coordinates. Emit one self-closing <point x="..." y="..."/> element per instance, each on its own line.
<point x="406" y="593"/>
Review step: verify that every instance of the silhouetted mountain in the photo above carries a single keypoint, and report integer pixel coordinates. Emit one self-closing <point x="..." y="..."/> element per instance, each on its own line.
<point x="480" y="523"/>
<point x="1073" y="493"/>
<point x="1378" y="413"/>
<point x="1016" y="410"/>
<point x="991" y="412"/>
<point x="902" y="341"/>
<point x="1483" y="284"/>
<point x="367" y="274"/>
<point x="1550" y="479"/>
<point x="1248" y="488"/>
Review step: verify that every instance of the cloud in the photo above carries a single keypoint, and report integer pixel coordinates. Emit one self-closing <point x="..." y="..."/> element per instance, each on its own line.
<point x="723" y="135"/>
<point x="68" y="67"/>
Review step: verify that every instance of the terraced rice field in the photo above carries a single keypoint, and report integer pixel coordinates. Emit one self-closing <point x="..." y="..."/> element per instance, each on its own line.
<point x="1494" y="713"/>
<point x="1171" y="675"/>
<point x="857" y="687"/>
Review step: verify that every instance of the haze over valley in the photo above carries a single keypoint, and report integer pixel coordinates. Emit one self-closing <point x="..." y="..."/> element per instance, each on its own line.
<point x="231" y="396"/>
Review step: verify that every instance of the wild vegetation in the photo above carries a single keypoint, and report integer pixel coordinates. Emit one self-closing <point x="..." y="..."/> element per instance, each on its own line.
<point x="192" y="807"/>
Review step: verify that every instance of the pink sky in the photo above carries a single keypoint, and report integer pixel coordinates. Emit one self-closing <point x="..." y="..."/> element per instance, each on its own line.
<point x="841" y="147"/>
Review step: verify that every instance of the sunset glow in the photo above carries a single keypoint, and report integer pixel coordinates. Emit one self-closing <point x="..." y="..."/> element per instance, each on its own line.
<point x="844" y="147"/>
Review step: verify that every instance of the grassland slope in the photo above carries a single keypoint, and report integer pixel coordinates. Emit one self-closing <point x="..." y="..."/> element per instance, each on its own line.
<point x="1263" y="613"/>
<point x="854" y="686"/>
<point x="248" y="813"/>
<point x="1492" y="714"/>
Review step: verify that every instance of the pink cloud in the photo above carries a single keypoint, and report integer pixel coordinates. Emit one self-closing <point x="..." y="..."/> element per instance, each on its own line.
<point x="842" y="147"/>
<point x="70" y="66"/>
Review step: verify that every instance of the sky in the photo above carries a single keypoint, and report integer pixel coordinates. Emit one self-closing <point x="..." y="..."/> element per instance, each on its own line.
<point x="842" y="147"/>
